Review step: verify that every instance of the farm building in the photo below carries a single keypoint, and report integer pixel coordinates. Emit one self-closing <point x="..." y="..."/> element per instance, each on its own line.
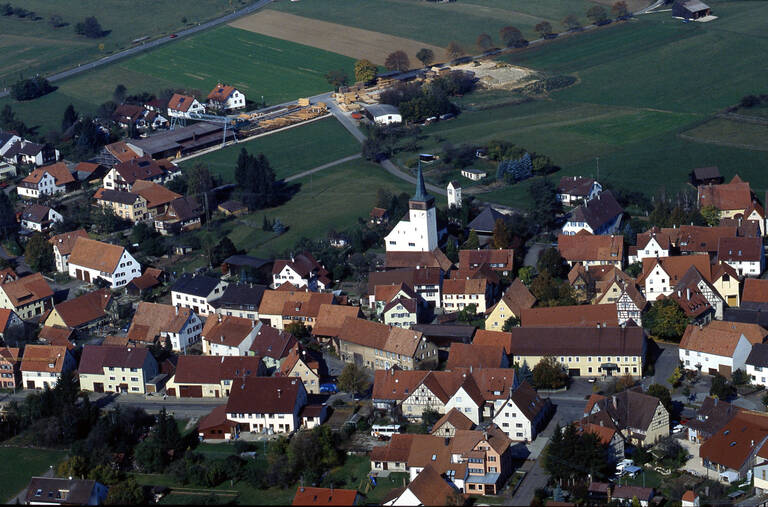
<point x="690" y="9"/>
<point x="473" y="174"/>
<point x="383" y="114"/>
<point x="181" y="141"/>
<point x="706" y="176"/>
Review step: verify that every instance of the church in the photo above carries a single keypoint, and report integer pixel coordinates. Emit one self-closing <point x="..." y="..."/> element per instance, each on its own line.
<point x="416" y="232"/>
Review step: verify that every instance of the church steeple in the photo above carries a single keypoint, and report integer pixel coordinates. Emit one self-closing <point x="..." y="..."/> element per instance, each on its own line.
<point x="421" y="194"/>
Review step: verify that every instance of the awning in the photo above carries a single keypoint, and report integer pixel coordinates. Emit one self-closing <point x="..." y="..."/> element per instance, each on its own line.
<point x="609" y="366"/>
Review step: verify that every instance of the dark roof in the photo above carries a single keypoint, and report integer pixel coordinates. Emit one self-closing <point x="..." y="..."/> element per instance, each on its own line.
<point x="116" y="196"/>
<point x="486" y="220"/>
<point x="214" y="369"/>
<point x="540" y="341"/>
<point x="49" y="490"/>
<point x="712" y="416"/>
<point x="35" y="213"/>
<point x="408" y="276"/>
<point x="96" y="357"/>
<point x="759" y="355"/>
<point x="575" y="185"/>
<point x="246" y="260"/>
<point x="739" y="249"/>
<point x="446" y="330"/>
<point x="142" y="168"/>
<point x="598" y="211"/>
<point x="421" y="194"/>
<point x="264" y="395"/>
<point x="271" y="342"/>
<point x="528" y="401"/>
<point x="757" y="315"/>
<point x="706" y="173"/>
<point x="630" y="492"/>
<point x="199" y="285"/>
<point x="240" y="297"/>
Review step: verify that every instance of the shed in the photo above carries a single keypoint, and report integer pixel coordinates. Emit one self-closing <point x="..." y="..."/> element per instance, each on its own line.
<point x="383" y="114"/>
<point x="690" y="9"/>
<point x="706" y="176"/>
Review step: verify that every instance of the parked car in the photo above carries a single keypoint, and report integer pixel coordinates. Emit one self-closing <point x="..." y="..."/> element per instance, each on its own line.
<point x="173" y="36"/>
<point x="678" y="428"/>
<point x="328" y="388"/>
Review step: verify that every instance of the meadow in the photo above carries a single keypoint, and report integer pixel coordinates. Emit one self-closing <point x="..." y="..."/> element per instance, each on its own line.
<point x="27" y="462"/>
<point x="32" y="47"/>
<point x="289" y="152"/>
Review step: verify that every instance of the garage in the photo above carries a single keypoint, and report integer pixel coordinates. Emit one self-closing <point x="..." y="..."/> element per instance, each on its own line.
<point x="190" y="391"/>
<point x="98" y="387"/>
<point x="574" y="372"/>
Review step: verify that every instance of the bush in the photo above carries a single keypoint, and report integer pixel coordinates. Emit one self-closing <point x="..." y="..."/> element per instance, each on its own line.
<point x="90" y="28"/>
<point x="549" y="374"/>
<point x="28" y="89"/>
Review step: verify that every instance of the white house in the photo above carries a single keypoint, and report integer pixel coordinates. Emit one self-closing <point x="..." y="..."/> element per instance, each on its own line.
<point x="757" y="364"/>
<point x="714" y="349"/>
<point x="572" y="189"/>
<point x="226" y="98"/>
<point x="42" y="365"/>
<point x="521" y="414"/>
<point x="48" y="180"/>
<point x="183" y="106"/>
<point x="453" y="191"/>
<point x="601" y="215"/>
<point x="302" y="270"/>
<point x="37" y="217"/>
<point x="154" y="322"/>
<point x="62" y="248"/>
<point x="419" y="232"/>
<point x="383" y="114"/>
<point x="229" y="336"/>
<point x="650" y="244"/>
<point x="661" y="275"/>
<point x="6" y="141"/>
<point x="267" y="404"/>
<point x="196" y="292"/>
<point x="27" y="152"/>
<point x="473" y="174"/>
<point x="91" y="259"/>
<point x="745" y="255"/>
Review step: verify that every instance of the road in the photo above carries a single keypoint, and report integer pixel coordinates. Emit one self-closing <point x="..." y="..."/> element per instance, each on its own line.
<point x="155" y="43"/>
<point x="321" y="167"/>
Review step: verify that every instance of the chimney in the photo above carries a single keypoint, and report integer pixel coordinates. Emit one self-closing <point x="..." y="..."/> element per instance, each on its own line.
<point x="253" y="323"/>
<point x="614" y="401"/>
<point x="470" y="369"/>
<point x="219" y="317"/>
<point x="279" y="391"/>
<point x="601" y="422"/>
<point x="688" y="293"/>
<point x="222" y="338"/>
<point x="177" y="309"/>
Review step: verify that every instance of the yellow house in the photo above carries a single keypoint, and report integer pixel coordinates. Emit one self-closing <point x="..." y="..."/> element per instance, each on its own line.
<point x="516" y="299"/>
<point x="726" y="281"/>
<point x="111" y="369"/>
<point x="760" y="473"/>
<point x="126" y="205"/>
<point x="211" y="376"/>
<point x="28" y="296"/>
<point x="302" y="364"/>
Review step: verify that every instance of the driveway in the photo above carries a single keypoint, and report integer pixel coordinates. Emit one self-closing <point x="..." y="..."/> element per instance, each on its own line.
<point x="693" y="465"/>
<point x="666" y="363"/>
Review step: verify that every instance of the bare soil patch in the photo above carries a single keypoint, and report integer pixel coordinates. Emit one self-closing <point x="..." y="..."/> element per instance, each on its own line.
<point x="344" y="40"/>
<point x="498" y="75"/>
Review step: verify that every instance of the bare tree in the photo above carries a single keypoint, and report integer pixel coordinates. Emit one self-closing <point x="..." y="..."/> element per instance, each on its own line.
<point x="484" y="42"/>
<point x="544" y="29"/>
<point x="571" y="22"/>
<point x="454" y="50"/>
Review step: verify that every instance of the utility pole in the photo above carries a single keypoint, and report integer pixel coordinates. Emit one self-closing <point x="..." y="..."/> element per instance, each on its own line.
<point x="597" y="161"/>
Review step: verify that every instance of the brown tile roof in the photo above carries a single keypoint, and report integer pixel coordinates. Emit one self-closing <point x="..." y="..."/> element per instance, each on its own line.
<point x="96" y="255"/>
<point x="464" y="355"/>
<point x="575" y="185"/>
<point x="603" y="433"/>
<point x="493" y="383"/>
<point x="735" y="442"/>
<point x="84" y="309"/>
<point x="66" y="242"/>
<point x="740" y="249"/>
<point x="155" y="194"/>
<point x="411" y="277"/>
<point x="96" y="357"/>
<point x="303" y="263"/>
<point x="434" y="259"/>
<point x="227" y="330"/>
<point x="214" y="369"/>
<point x="217" y="417"/>
<point x="517" y="298"/>
<point x="151" y="319"/>
<point x="398" y="449"/>
<point x="324" y="496"/>
<point x="273" y="301"/>
<point x="408" y="303"/>
<point x="53" y="335"/>
<point x="735" y="195"/>
<point x="8" y="275"/>
<point x="121" y="151"/>
<point x="142" y="168"/>
<point x="430" y="487"/>
<point x="43" y="358"/>
<point x="264" y="395"/>
<point x="475" y="258"/>
<point x="571" y="316"/>
<point x="59" y="171"/>
<point x="456" y="419"/>
<point x="150" y="278"/>
<point x="584" y="246"/>
<point x="720" y="337"/>
<point x="378" y="212"/>
<point x="676" y="267"/>
<point x="755" y="291"/>
<point x="27" y="289"/>
<point x="116" y="341"/>
<point x="221" y="92"/>
<point x="395" y="384"/>
<point x="307" y="356"/>
<point x="380" y="336"/>
<point x="5" y="317"/>
<point x="691" y="301"/>
<point x="498" y="338"/>
<point x="271" y="342"/>
<point x="180" y="102"/>
<point x="464" y="286"/>
<point x="559" y="341"/>
<point x="697" y="238"/>
<point x="630" y="492"/>
<point x="308" y="307"/>
<point x="661" y="237"/>
<point x="465" y="441"/>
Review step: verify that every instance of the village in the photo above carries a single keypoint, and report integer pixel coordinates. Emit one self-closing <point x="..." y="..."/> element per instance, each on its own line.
<point x="589" y="345"/>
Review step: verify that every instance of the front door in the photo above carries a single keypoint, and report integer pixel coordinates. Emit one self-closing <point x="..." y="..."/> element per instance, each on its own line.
<point x="30" y="384"/>
<point x="98" y="387"/>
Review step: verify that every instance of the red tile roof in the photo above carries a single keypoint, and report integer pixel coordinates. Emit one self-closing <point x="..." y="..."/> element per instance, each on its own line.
<point x="735" y="195"/>
<point x="27" y="289"/>
<point x="571" y="316"/>
<point x="65" y="242"/>
<point x="755" y="291"/>
<point x="264" y="395"/>
<point x="214" y="369"/>
<point x="59" y="171"/>
<point x="43" y="358"/>
<point x="324" y="496"/>
<point x="464" y="355"/>
<point x="84" y="309"/>
<point x="588" y="247"/>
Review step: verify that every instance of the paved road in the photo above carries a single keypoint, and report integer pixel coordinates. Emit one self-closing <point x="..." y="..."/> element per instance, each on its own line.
<point x="155" y="43"/>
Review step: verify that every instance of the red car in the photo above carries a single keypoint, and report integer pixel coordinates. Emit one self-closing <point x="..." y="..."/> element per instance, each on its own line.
<point x="3" y="184"/>
<point x="173" y="36"/>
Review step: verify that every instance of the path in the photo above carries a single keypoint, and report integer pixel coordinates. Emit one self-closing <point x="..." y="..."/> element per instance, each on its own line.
<point x="321" y="167"/>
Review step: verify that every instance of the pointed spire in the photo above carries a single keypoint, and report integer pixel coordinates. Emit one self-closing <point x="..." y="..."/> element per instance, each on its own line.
<point x="421" y="190"/>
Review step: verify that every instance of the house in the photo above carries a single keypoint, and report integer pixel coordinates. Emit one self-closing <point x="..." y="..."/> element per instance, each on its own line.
<point x="571" y="316"/>
<point x="501" y="260"/>
<point x="157" y="196"/>
<point x="650" y="244"/>
<point x="37" y="217"/>
<point x="7" y="139"/>
<point x="522" y="414"/>
<point x="379" y="216"/>
<point x="706" y="176"/>
<point x="720" y="347"/>
<point x="180" y="141"/>
<point x="246" y="268"/>
<point x="125" y="174"/>
<point x="266" y="404"/>
<point x="154" y="322"/>
<point x="56" y="491"/>
<point x="46" y="181"/>
<point x="215" y="425"/>
<point x="232" y="208"/>
<point x="640" y="418"/>
<point x="28" y="297"/>
<point x="516" y="299"/>
<point x="725" y="280"/>
<point x="466" y="355"/>
<point x="10" y="366"/>
<point x="306" y="365"/>
<point x="302" y="270"/>
<point x="129" y="116"/>
<point x="588" y="352"/>
<point x="142" y="285"/>
<point x="484" y="223"/>
<point x="11" y="326"/>
<point x="59" y="336"/>
<point x="573" y="189"/>
<point x="698" y="298"/>
<point x="710" y="418"/>
<point x="425" y="281"/>
<point x="126" y="205"/>
<point x="42" y="365"/>
<point x="326" y="496"/>
<point x="660" y="276"/>
<point x="733" y="450"/>
<point x="418" y="260"/>
<point x="428" y="488"/>
<point x="383" y="114"/>
<point x="755" y="295"/>
<point x="692" y="9"/>
<point x="8" y="275"/>
<point x="606" y="435"/>
<point x="760" y="475"/>
<point x="115" y="153"/>
<point x="745" y="255"/>
<point x="211" y="376"/>
<point x="589" y="250"/>
<point x="401" y="312"/>
<point x="460" y="293"/>
<point x="81" y="313"/>
<point x="451" y="421"/>
<point x="473" y="174"/>
<point x="105" y="368"/>
<point x="180" y="215"/>
<point x="453" y="193"/>
<point x="601" y="215"/>
<point x="284" y="307"/>
<point x="375" y="345"/>
<point x="91" y="260"/>
<point x="225" y="98"/>
<point x="239" y="300"/>
<point x="62" y="248"/>
<point x="626" y="495"/>
<point x="272" y="345"/>
<point x="229" y="336"/>
<point x="418" y="231"/>
<point x="184" y="106"/>
<point x="196" y="292"/>
<point x="330" y="319"/>
<point x="730" y="199"/>
<point x="29" y="153"/>
<point x="697" y="239"/>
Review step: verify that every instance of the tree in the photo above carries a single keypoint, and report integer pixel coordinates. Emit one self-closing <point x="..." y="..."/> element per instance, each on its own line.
<point x="544" y="29"/>
<point x="484" y="42"/>
<point x="128" y="492"/>
<point x="545" y="206"/>
<point x="620" y="10"/>
<point x="454" y="50"/>
<point x="551" y="260"/>
<point x="711" y="215"/>
<point x="512" y="37"/>
<point x="571" y="22"/>
<point x="663" y="394"/>
<point x="39" y="253"/>
<point x="353" y="379"/>
<point x="501" y="234"/>
<point x="397" y="60"/>
<point x="426" y="56"/>
<point x="666" y="320"/>
<point x="597" y="14"/>
<point x="90" y="28"/>
<point x="676" y="376"/>
<point x="28" y="89"/>
<point x="740" y="377"/>
<point x="56" y="21"/>
<point x="119" y="94"/>
<point x="721" y="388"/>
<point x="510" y="323"/>
<point x="365" y="71"/>
<point x="337" y="78"/>
<point x="525" y="274"/>
<point x="199" y="180"/>
<point x="549" y="374"/>
<point x="473" y="242"/>
<point x="70" y="118"/>
<point x="7" y="216"/>
<point x="573" y="456"/>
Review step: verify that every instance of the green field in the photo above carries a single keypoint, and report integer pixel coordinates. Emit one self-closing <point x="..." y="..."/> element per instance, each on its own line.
<point x="35" y="46"/>
<point x="21" y="464"/>
<point x="729" y="133"/>
<point x="440" y="23"/>
<point x="289" y="152"/>
<point x="258" y="65"/>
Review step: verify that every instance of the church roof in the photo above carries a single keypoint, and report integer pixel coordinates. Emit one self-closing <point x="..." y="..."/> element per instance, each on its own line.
<point x="421" y="194"/>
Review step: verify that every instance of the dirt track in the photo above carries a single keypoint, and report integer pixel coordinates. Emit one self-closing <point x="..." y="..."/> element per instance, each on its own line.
<point x="344" y="40"/>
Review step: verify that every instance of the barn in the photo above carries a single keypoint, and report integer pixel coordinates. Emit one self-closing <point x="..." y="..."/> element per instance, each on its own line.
<point x="383" y="114"/>
<point x="690" y="9"/>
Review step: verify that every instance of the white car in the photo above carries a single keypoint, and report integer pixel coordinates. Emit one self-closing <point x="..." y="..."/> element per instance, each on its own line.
<point x="678" y="428"/>
<point x="621" y="465"/>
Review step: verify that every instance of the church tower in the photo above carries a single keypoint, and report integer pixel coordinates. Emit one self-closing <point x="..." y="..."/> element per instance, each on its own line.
<point x="419" y="232"/>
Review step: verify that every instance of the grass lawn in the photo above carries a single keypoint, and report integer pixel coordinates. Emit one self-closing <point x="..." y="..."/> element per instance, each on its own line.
<point x="384" y="485"/>
<point x="730" y="132"/>
<point x="289" y="152"/>
<point x="441" y="23"/>
<point x="257" y="65"/>
<point x="653" y="479"/>
<point x="21" y="464"/>
<point x="35" y="46"/>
